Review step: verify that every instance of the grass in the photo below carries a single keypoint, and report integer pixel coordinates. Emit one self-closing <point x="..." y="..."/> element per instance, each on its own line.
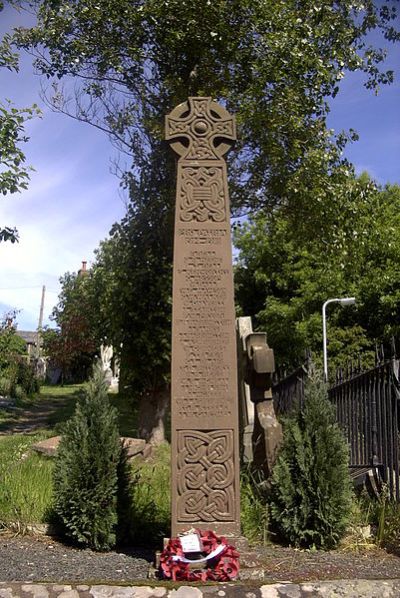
<point x="254" y="513"/>
<point x="25" y="483"/>
<point x="150" y="520"/>
<point x="26" y="477"/>
<point x="62" y="400"/>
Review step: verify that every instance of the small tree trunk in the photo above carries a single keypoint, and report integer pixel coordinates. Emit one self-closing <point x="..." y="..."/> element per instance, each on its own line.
<point x="153" y="410"/>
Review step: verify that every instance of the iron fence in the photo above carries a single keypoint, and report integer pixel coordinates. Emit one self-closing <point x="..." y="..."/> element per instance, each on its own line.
<point x="367" y="410"/>
<point x="288" y="390"/>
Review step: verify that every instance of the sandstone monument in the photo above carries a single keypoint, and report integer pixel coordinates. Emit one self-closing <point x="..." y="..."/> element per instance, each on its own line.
<point x="204" y="421"/>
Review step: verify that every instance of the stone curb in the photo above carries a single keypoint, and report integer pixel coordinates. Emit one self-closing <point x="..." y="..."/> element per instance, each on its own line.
<point x="349" y="588"/>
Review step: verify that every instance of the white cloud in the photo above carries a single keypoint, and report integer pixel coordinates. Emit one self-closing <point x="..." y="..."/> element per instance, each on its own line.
<point x="70" y="205"/>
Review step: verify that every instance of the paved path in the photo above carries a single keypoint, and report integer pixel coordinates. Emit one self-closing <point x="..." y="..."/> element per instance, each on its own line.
<point x="327" y="589"/>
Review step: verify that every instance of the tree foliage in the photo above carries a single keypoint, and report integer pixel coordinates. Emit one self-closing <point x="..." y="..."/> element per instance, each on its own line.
<point x="275" y="64"/>
<point x="283" y="279"/>
<point x="74" y="343"/>
<point x="310" y="501"/>
<point x="10" y="343"/>
<point x="17" y="377"/>
<point x="132" y="278"/>
<point x="14" y="173"/>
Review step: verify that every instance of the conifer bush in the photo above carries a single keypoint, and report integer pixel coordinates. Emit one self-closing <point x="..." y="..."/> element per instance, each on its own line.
<point x="311" y="495"/>
<point x="86" y="470"/>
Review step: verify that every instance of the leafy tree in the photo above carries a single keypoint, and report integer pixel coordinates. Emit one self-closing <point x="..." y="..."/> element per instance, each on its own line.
<point x="17" y="377"/>
<point x="14" y="174"/>
<point x="273" y="63"/>
<point x="132" y="283"/>
<point x="311" y="494"/>
<point x="86" y="470"/>
<point x="10" y="343"/>
<point x="283" y="279"/>
<point x="74" y="343"/>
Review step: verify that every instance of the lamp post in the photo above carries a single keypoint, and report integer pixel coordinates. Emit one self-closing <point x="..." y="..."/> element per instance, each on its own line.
<point x="342" y="301"/>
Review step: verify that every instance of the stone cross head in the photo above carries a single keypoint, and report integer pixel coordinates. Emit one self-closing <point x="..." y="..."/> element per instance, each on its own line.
<point x="200" y="129"/>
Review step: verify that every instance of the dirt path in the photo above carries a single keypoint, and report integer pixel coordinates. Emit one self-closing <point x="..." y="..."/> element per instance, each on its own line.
<point x="30" y="420"/>
<point x="43" y="413"/>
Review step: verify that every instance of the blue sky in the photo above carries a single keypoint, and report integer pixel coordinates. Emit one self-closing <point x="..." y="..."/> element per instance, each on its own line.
<point x="73" y="198"/>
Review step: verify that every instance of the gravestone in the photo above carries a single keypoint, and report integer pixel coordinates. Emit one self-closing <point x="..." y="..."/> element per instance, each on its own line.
<point x="244" y="327"/>
<point x="204" y="409"/>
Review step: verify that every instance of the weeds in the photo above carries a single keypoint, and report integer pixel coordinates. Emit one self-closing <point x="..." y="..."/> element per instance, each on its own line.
<point x="151" y="503"/>
<point x="385" y="519"/>
<point x="254" y="507"/>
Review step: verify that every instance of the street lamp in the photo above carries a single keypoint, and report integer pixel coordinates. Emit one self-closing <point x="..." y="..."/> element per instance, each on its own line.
<point x="342" y="301"/>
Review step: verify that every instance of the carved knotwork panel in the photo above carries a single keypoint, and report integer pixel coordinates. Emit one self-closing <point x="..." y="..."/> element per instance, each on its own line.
<point x="205" y="476"/>
<point x="201" y="195"/>
<point x="200" y="129"/>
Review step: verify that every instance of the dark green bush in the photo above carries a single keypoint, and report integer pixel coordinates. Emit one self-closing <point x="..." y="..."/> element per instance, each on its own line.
<point x="86" y="470"/>
<point x="26" y="377"/>
<point x="311" y="494"/>
<point x="18" y="379"/>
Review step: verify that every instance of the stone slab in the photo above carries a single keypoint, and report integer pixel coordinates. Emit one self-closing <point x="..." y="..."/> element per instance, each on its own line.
<point x="204" y="404"/>
<point x="136" y="447"/>
<point x="47" y="447"/>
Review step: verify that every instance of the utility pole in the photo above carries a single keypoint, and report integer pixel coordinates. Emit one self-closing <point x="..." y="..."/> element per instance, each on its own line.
<point x="40" y="323"/>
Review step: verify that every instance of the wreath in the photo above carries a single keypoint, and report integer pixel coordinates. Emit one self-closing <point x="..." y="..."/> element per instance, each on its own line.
<point x="218" y="563"/>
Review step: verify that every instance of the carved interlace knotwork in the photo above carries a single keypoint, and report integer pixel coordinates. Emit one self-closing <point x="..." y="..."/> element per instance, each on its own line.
<point x="200" y="130"/>
<point x="201" y="194"/>
<point x="205" y="476"/>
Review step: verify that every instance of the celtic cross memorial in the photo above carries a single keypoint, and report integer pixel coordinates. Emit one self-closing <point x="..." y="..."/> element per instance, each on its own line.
<point x="205" y="448"/>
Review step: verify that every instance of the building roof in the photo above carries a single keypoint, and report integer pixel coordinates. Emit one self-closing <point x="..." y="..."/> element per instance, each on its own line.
<point x="29" y="336"/>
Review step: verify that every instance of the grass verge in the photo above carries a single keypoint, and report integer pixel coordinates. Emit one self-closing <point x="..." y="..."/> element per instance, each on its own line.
<point x="26" y="477"/>
<point x="25" y="483"/>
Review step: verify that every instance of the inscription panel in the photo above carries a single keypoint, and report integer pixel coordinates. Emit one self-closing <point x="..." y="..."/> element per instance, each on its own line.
<point x="203" y="315"/>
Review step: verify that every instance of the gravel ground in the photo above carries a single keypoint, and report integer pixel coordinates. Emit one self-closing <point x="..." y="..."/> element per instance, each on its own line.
<point x="288" y="564"/>
<point x="43" y="559"/>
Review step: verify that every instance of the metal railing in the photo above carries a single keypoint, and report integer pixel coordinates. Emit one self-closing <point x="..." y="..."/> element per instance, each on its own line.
<point x="367" y="410"/>
<point x="288" y="390"/>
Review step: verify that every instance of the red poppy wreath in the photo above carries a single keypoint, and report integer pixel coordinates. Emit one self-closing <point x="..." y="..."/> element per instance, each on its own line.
<point x="218" y="563"/>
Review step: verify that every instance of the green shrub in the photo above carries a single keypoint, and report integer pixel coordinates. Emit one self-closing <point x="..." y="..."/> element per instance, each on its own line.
<point x="311" y="494"/>
<point x="18" y="392"/>
<point x="18" y="379"/>
<point x="5" y="386"/>
<point x="86" y="470"/>
<point x="26" y="377"/>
